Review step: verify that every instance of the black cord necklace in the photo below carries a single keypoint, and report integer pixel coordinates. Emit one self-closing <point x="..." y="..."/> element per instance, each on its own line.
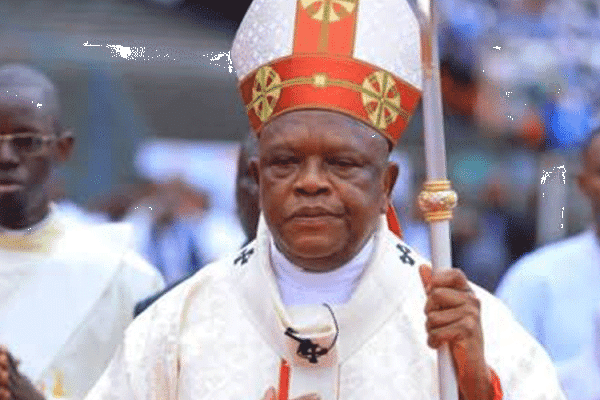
<point x="309" y="350"/>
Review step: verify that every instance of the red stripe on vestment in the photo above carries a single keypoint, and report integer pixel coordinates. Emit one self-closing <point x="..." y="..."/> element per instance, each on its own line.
<point x="284" y="381"/>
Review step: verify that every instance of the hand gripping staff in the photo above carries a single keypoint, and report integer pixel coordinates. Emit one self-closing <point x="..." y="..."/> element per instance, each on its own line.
<point x="437" y="198"/>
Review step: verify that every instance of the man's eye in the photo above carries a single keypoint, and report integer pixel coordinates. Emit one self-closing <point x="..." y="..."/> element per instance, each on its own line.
<point x="344" y="163"/>
<point x="283" y="161"/>
<point x="25" y="143"/>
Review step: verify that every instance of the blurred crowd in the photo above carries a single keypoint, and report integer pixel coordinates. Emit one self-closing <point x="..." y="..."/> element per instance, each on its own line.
<point x="519" y="82"/>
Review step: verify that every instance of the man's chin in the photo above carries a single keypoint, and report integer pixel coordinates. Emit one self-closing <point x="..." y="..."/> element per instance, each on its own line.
<point x="313" y="251"/>
<point x="12" y="204"/>
<point x="11" y="196"/>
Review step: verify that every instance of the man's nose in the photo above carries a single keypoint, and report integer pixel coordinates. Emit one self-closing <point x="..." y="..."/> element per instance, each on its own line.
<point x="8" y="155"/>
<point x="312" y="179"/>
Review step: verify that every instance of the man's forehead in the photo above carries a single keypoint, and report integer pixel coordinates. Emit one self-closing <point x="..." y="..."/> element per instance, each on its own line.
<point x="313" y="117"/>
<point x="30" y="93"/>
<point x="318" y="126"/>
<point x="24" y="101"/>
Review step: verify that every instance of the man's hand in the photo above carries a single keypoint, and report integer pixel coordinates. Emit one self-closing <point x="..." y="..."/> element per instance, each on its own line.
<point x="454" y="317"/>
<point x="271" y="394"/>
<point x="13" y="385"/>
<point x="4" y="375"/>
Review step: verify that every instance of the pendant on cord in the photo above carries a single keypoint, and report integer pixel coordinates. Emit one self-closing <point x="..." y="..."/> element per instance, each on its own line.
<point x="309" y="350"/>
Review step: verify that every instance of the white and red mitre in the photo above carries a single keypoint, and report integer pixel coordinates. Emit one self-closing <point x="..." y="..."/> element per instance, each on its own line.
<point x="357" y="57"/>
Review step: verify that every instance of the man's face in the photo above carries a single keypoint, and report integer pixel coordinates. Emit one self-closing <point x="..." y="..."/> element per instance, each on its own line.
<point x="589" y="179"/>
<point x="23" y="173"/>
<point x="324" y="181"/>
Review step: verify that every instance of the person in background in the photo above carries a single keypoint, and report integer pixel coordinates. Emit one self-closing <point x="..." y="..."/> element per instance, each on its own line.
<point x="500" y="235"/>
<point x="246" y="195"/>
<point x="165" y="222"/>
<point x="115" y="204"/>
<point x="57" y="194"/>
<point x="414" y="230"/>
<point x="246" y="188"/>
<point x="553" y="291"/>
<point x="327" y="302"/>
<point x="67" y="289"/>
<point x="580" y="375"/>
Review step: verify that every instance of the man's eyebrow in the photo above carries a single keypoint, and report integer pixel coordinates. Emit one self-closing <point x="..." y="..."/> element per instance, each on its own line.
<point x="279" y="145"/>
<point x="25" y="127"/>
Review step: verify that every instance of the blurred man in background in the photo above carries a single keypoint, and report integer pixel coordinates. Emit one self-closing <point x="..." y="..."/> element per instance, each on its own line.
<point x="246" y="196"/>
<point x="67" y="289"/>
<point x="246" y="188"/>
<point x="165" y="220"/>
<point x="553" y="291"/>
<point x="57" y="193"/>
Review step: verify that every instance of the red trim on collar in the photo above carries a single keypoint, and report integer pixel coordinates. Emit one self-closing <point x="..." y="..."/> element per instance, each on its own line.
<point x="496" y="386"/>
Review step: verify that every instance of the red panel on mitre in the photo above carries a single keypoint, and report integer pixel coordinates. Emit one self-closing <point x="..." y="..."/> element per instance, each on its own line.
<point x="325" y="26"/>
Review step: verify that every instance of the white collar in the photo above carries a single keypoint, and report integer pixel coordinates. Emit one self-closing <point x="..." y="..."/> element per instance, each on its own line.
<point x="298" y="286"/>
<point x="388" y="285"/>
<point x="36" y="238"/>
<point x="33" y="229"/>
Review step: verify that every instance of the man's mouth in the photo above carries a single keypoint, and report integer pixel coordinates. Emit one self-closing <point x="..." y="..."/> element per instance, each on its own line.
<point x="314" y="213"/>
<point x="7" y="185"/>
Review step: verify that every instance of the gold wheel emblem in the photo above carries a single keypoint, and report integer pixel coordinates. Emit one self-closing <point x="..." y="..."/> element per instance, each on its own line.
<point x="328" y="10"/>
<point x="381" y="99"/>
<point x="266" y="91"/>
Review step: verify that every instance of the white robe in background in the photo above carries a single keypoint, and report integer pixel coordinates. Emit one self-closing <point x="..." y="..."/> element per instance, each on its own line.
<point x="580" y="375"/>
<point x="220" y="336"/>
<point x="67" y="293"/>
<point x="555" y="291"/>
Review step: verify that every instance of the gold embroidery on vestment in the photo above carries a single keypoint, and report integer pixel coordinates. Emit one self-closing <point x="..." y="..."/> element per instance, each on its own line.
<point x="58" y="389"/>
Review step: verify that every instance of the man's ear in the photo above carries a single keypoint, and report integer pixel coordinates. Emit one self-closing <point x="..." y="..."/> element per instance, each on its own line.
<point x="64" y="146"/>
<point x="582" y="182"/>
<point x="253" y="170"/>
<point x="389" y="180"/>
